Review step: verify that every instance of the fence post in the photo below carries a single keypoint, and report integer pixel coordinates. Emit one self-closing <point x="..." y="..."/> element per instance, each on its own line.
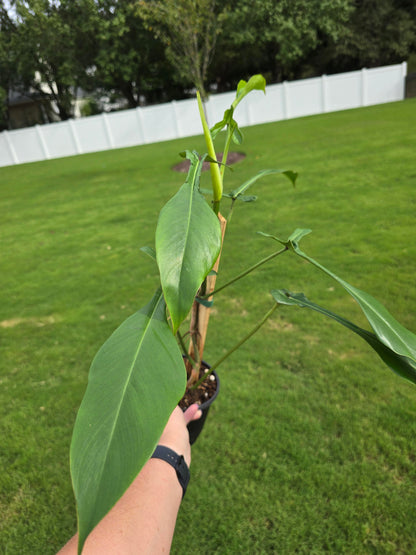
<point x="404" y="75"/>
<point x="42" y="142"/>
<point x="176" y="120"/>
<point x="285" y="99"/>
<point x="74" y="135"/>
<point x="324" y="93"/>
<point x="139" y="117"/>
<point x="364" y="86"/>
<point x="108" y="133"/>
<point x="11" y="147"/>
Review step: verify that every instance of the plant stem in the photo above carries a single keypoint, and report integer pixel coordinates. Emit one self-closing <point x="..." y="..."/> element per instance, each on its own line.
<point x="230" y="352"/>
<point x="243" y="274"/>
<point x="183" y="348"/>
<point x="216" y="177"/>
<point x="225" y="153"/>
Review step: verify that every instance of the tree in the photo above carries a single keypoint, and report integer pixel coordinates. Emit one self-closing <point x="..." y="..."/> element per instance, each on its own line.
<point x="379" y="32"/>
<point x="8" y="73"/>
<point x="129" y="60"/>
<point x="274" y="36"/>
<point x="56" y="46"/>
<point x="188" y="29"/>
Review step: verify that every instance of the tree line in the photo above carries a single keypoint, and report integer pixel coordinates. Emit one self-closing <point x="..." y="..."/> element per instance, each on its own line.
<point x="149" y="51"/>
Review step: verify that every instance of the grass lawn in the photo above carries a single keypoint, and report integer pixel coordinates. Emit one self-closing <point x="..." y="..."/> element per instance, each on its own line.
<point x="311" y="445"/>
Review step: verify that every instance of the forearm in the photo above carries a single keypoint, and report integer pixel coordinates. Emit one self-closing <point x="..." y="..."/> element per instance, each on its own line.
<point x="142" y="521"/>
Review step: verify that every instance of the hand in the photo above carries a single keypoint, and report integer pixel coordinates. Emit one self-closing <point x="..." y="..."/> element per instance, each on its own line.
<point x="176" y="435"/>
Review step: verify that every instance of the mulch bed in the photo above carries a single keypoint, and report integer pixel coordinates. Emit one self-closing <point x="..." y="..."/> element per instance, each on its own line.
<point x="232" y="158"/>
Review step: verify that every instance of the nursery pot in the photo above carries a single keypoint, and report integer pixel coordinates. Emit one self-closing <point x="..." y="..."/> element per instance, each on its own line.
<point x="195" y="427"/>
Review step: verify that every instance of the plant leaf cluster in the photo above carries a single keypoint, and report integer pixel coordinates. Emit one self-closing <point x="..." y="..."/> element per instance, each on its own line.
<point x="138" y="376"/>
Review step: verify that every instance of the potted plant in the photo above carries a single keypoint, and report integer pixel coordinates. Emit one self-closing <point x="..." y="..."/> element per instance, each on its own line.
<point x="139" y="376"/>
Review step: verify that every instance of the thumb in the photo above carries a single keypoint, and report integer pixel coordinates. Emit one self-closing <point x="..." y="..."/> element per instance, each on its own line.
<point x="192" y="413"/>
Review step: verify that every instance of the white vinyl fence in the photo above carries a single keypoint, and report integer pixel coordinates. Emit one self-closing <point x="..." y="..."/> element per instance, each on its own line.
<point x="180" y="118"/>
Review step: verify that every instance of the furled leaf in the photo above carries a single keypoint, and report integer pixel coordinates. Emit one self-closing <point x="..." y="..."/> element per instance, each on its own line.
<point x="135" y="381"/>
<point x="402" y="365"/>
<point x="234" y="194"/>
<point x="188" y="242"/>
<point x="256" y="82"/>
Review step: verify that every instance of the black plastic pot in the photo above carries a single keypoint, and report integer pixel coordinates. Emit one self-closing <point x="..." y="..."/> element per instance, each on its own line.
<point x="195" y="427"/>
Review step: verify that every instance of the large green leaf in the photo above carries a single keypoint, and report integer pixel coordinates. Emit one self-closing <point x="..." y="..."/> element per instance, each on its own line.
<point x="388" y="330"/>
<point x="402" y="365"/>
<point x="135" y="381"/>
<point x="188" y="242"/>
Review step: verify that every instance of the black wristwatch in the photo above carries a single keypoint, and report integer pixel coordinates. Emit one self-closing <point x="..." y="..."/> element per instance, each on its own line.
<point x="177" y="462"/>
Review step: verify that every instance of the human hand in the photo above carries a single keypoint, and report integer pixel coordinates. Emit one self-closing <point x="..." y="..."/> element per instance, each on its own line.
<point x="176" y="435"/>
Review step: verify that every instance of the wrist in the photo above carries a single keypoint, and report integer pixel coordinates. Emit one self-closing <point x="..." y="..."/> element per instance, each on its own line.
<point x="176" y="461"/>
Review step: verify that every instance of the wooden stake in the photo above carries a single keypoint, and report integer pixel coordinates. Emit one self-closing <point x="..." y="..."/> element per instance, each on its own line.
<point x="200" y="314"/>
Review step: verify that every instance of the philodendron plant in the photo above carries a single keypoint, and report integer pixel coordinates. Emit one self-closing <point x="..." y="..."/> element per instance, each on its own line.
<point x="139" y="376"/>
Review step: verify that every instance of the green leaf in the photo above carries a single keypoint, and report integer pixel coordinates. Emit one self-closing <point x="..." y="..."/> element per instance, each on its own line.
<point x="188" y="242"/>
<point x="135" y="381"/>
<point x="234" y="194"/>
<point x="293" y="239"/>
<point x="219" y="126"/>
<point x="149" y="251"/>
<point x="237" y="135"/>
<point x="402" y="365"/>
<point x="388" y="330"/>
<point x="256" y="82"/>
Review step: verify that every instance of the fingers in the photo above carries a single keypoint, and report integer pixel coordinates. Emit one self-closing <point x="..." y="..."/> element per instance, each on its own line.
<point x="192" y="413"/>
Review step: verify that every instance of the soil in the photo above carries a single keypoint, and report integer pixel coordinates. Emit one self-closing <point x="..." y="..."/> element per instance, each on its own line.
<point x="232" y="158"/>
<point x="203" y="393"/>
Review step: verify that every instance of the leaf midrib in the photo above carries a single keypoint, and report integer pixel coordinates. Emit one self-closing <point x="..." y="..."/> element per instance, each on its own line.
<point x="145" y="331"/>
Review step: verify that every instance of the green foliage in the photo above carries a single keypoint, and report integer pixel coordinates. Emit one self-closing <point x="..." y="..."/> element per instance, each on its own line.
<point x="56" y="45"/>
<point x="135" y="381"/>
<point x="188" y="241"/>
<point x="128" y="58"/>
<point x="256" y="82"/>
<point x="402" y="365"/>
<point x="148" y="51"/>
<point x="238" y="193"/>
<point x="280" y="34"/>
<point x="381" y="32"/>
<point x="328" y="467"/>
<point x="188" y="30"/>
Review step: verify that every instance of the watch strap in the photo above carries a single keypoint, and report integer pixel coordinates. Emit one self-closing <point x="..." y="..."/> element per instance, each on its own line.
<point x="177" y="462"/>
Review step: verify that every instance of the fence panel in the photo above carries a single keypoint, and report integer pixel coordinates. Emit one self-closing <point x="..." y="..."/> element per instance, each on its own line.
<point x="269" y="107"/>
<point x="159" y="123"/>
<point x="91" y="134"/>
<point x="187" y="117"/>
<point x="181" y="119"/>
<point x="124" y="128"/>
<point x="344" y="91"/>
<point x="26" y="144"/>
<point x="385" y="84"/>
<point x="7" y="154"/>
<point x="59" y="139"/>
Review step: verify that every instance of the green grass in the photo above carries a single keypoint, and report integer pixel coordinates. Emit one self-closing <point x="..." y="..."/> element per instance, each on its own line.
<point x="311" y="445"/>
